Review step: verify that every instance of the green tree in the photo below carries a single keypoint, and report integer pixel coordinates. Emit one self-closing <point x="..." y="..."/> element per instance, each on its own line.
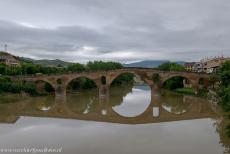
<point x="224" y="90"/>
<point x="171" y="66"/>
<point x="175" y="82"/>
<point x="77" y="67"/>
<point x="100" y="65"/>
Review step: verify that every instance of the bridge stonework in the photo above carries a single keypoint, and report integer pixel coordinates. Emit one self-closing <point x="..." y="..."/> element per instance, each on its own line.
<point x="61" y="81"/>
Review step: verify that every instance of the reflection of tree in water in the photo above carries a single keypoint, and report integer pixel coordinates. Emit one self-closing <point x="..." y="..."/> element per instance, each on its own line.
<point x="174" y="103"/>
<point x="84" y="101"/>
<point x="117" y="94"/>
<point x="221" y="125"/>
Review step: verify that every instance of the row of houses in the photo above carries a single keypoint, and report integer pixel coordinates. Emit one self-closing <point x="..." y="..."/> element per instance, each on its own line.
<point x="206" y="65"/>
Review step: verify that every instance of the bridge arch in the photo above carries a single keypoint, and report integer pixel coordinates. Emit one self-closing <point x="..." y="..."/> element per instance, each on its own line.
<point x="164" y="79"/>
<point x="45" y="84"/>
<point x="86" y="81"/>
<point x="142" y="76"/>
<point x="186" y="79"/>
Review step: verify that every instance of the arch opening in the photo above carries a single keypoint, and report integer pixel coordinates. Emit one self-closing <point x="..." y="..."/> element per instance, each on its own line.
<point x="103" y="80"/>
<point x="59" y="81"/>
<point x="44" y="87"/>
<point x="81" y="83"/>
<point x="122" y="79"/>
<point x="155" y="77"/>
<point x="132" y="95"/>
<point x="179" y="84"/>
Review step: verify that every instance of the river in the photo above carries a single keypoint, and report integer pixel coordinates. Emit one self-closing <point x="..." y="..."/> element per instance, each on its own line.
<point x="131" y="120"/>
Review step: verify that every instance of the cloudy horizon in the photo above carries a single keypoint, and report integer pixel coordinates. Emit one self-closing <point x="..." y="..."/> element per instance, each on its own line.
<point x="121" y="30"/>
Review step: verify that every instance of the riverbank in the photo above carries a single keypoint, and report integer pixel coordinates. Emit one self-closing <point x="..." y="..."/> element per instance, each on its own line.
<point x="190" y="91"/>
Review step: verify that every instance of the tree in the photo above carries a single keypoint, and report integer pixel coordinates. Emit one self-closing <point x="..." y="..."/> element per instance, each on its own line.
<point x="224" y="90"/>
<point x="175" y="82"/>
<point x="76" y="67"/>
<point x="171" y="66"/>
<point x="100" y="65"/>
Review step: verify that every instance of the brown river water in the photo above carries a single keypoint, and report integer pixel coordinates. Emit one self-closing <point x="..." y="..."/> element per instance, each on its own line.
<point x="130" y="120"/>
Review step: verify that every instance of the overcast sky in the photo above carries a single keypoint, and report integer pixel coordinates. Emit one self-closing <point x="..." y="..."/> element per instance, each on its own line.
<point x="118" y="30"/>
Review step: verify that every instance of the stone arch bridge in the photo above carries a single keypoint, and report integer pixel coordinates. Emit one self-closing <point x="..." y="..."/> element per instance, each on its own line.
<point x="153" y="77"/>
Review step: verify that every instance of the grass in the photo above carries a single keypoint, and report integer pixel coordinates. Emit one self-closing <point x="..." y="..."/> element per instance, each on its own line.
<point x="189" y="91"/>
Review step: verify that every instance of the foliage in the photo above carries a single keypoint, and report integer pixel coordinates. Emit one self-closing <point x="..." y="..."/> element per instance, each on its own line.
<point x="224" y="90"/>
<point x="7" y="85"/>
<point x="156" y="77"/>
<point x="77" y="67"/>
<point x="171" y="66"/>
<point x="185" y="90"/>
<point x="100" y="65"/>
<point x="174" y="83"/>
<point x="81" y="83"/>
<point x="29" y="68"/>
<point x="123" y="79"/>
<point x="224" y="94"/>
<point x="48" y="88"/>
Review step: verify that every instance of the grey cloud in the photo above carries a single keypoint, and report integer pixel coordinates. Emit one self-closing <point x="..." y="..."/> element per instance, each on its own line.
<point x="131" y="30"/>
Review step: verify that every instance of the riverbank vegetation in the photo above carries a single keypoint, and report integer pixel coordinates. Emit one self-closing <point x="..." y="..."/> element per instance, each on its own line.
<point x="177" y="83"/>
<point x="223" y="91"/>
<point x="185" y="90"/>
<point x="28" y="68"/>
<point x="9" y="86"/>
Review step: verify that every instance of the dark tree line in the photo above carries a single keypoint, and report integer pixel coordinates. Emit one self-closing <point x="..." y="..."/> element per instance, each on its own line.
<point x="28" y="68"/>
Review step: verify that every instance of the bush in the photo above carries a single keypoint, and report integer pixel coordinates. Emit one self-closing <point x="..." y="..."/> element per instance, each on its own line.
<point x="224" y="90"/>
<point x="174" y="83"/>
<point x="16" y="86"/>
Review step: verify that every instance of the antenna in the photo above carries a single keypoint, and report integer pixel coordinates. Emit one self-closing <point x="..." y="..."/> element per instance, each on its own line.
<point x="5" y="47"/>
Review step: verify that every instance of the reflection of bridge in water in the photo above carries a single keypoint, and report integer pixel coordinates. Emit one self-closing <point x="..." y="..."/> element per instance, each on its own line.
<point x="154" y="113"/>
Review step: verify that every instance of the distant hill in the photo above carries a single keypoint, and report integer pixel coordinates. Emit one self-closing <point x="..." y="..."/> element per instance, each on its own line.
<point x="46" y="62"/>
<point x="57" y="62"/>
<point x="150" y="63"/>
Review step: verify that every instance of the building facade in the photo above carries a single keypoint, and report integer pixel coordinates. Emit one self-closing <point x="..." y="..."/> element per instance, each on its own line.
<point x="198" y="67"/>
<point x="206" y="65"/>
<point x="213" y="65"/>
<point x="189" y="66"/>
<point x="9" y="59"/>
